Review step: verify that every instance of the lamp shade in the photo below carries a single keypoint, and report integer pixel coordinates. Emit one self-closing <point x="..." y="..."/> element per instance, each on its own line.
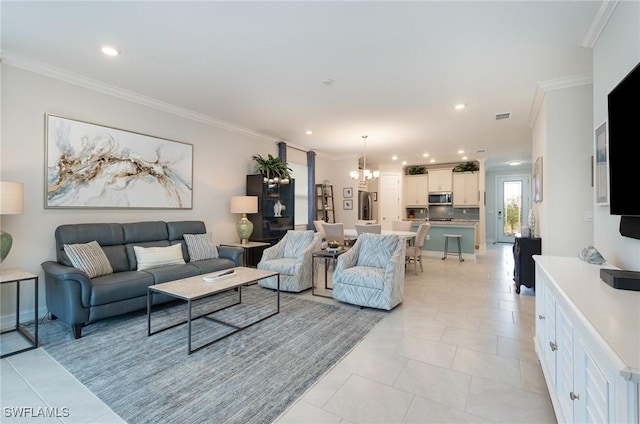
<point x="244" y="204"/>
<point x="11" y="198"/>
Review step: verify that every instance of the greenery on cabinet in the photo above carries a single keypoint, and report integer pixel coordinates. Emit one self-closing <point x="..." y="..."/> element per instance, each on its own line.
<point x="416" y="170"/>
<point x="466" y="167"/>
<point x="272" y="167"/>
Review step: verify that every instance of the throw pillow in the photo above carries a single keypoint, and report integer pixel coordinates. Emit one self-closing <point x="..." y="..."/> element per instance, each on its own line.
<point x="152" y="257"/>
<point x="89" y="257"/>
<point x="201" y="246"/>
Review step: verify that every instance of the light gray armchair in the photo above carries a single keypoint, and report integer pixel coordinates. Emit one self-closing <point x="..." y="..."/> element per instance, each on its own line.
<point x="371" y="273"/>
<point x="291" y="257"/>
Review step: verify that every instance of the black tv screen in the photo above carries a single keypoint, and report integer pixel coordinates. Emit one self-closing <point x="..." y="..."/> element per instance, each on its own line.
<point x="624" y="145"/>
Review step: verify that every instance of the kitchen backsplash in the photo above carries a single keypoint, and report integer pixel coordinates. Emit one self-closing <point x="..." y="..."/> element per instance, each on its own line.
<point x="442" y="212"/>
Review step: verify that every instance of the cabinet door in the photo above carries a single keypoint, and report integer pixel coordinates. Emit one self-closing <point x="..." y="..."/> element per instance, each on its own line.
<point x="564" y="365"/>
<point x="549" y="354"/>
<point x="541" y="287"/>
<point x="591" y="389"/>
<point x="440" y="180"/>
<point x="465" y="189"/>
<point x="416" y="190"/>
<point x="423" y="190"/>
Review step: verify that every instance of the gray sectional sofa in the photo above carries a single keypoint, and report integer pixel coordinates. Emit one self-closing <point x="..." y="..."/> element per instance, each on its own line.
<point x="78" y="300"/>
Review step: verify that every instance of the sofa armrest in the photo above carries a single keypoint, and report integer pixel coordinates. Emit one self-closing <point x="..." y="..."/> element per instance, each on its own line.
<point x="54" y="271"/>
<point x="231" y="252"/>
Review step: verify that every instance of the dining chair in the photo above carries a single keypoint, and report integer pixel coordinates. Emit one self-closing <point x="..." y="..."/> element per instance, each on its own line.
<point x="414" y="253"/>
<point x="401" y="225"/>
<point x="320" y="229"/>
<point x="368" y="228"/>
<point x="333" y="232"/>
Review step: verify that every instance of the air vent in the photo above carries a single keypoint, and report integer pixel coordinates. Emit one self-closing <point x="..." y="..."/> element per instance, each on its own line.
<point x="503" y="116"/>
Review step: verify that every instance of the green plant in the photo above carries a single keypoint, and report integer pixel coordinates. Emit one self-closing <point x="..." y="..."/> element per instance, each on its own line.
<point x="272" y="167"/>
<point x="467" y="166"/>
<point x="416" y="169"/>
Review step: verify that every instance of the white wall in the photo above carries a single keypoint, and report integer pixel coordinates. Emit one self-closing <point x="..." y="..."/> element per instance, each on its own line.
<point x="221" y="160"/>
<point x="566" y="176"/>
<point x="615" y="53"/>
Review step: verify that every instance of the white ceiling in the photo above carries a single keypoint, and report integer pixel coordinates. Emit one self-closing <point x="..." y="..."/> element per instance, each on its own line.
<point x="398" y="67"/>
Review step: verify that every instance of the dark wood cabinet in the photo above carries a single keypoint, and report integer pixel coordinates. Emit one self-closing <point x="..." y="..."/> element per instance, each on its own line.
<point x="524" y="270"/>
<point x="276" y="209"/>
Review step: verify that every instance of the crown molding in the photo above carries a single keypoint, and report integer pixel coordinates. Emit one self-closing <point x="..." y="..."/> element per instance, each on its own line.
<point x="599" y="22"/>
<point x="111" y="90"/>
<point x="556" y="84"/>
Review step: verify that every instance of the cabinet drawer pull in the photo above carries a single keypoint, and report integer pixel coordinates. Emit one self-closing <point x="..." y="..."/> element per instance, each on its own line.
<point x="574" y="396"/>
<point x="553" y="346"/>
<point x="540" y="316"/>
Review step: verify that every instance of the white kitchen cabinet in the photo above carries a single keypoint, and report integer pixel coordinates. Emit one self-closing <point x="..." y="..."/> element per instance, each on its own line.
<point x="416" y="190"/>
<point x="440" y="180"/>
<point x="465" y="189"/>
<point x="587" y="343"/>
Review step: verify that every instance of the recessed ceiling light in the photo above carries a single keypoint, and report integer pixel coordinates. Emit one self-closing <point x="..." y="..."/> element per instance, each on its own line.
<point x="404" y="162"/>
<point x="460" y="151"/>
<point x="425" y="155"/>
<point x="110" y="51"/>
<point x="327" y="81"/>
<point x="432" y="160"/>
<point x="394" y="157"/>
<point x="308" y="132"/>
<point x="460" y="106"/>
<point x="515" y="163"/>
<point x="464" y="158"/>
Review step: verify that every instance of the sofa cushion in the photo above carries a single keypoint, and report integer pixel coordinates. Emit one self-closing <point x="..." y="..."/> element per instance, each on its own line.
<point x="89" y="257"/>
<point x="138" y="232"/>
<point x="120" y="286"/>
<point x="153" y="257"/>
<point x="172" y="272"/>
<point x="200" y="246"/>
<point x="281" y="265"/>
<point x="105" y="234"/>
<point x="211" y="265"/>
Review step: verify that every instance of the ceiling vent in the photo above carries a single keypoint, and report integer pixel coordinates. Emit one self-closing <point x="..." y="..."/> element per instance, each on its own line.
<point x="503" y="116"/>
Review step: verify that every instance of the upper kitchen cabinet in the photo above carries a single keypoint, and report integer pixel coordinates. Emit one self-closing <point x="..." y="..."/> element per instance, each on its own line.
<point x="465" y="189"/>
<point x="416" y="190"/>
<point x="440" y="180"/>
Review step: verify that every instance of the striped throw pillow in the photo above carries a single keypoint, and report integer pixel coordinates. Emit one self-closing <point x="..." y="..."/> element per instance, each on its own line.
<point x="201" y="246"/>
<point x="152" y="257"/>
<point x="89" y="257"/>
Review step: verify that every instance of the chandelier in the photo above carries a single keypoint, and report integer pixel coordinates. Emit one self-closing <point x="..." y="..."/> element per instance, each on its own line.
<point x="365" y="174"/>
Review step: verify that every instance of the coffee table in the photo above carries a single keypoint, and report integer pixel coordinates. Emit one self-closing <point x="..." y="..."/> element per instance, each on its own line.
<point x="194" y="288"/>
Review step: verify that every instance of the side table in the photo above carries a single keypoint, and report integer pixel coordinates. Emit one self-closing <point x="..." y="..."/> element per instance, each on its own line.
<point x="17" y="275"/>
<point x="327" y="256"/>
<point x="248" y="248"/>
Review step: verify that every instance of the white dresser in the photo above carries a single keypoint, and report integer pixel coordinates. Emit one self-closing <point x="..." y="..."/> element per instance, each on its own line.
<point x="588" y="342"/>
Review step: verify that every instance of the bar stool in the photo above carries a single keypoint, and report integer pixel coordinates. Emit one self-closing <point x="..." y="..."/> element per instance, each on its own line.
<point x="446" y="245"/>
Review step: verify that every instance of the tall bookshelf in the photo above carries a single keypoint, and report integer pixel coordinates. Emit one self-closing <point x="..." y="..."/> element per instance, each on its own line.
<point x="325" y="207"/>
<point x="269" y="226"/>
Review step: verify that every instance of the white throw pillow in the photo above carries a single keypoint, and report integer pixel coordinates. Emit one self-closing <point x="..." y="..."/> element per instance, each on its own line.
<point x="152" y="257"/>
<point x="89" y="257"/>
<point x="201" y="246"/>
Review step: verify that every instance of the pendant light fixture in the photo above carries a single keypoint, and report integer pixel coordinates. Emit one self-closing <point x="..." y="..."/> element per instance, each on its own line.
<point x="365" y="174"/>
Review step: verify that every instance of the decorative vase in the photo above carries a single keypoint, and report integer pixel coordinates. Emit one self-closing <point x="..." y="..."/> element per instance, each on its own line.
<point x="244" y="228"/>
<point x="531" y="221"/>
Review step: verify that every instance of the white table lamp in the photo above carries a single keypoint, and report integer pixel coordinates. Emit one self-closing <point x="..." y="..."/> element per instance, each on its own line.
<point x="11" y="203"/>
<point x="244" y="205"/>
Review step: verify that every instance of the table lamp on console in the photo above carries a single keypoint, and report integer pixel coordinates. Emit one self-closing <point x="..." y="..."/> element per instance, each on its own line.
<point x="11" y="203"/>
<point x="244" y="205"/>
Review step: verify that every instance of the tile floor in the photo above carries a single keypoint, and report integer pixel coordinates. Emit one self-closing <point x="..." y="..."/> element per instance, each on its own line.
<point x="458" y="349"/>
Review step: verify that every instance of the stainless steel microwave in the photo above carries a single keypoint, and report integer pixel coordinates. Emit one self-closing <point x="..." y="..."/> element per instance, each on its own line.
<point x="440" y="198"/>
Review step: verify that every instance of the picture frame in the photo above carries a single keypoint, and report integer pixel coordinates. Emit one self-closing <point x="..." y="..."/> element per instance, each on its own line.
<point x="91" y="166"/>
<point x="537" y="180"/>
<point x="601" y="168"/>
<point x="347" y="204"/>
<point x="347" y="192"/>
<point x="374" y="196"/>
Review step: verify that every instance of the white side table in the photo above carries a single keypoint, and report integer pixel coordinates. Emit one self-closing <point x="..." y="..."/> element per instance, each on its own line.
<point x="17" y="275"/>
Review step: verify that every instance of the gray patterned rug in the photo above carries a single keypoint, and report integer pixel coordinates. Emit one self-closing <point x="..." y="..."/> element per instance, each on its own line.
<point x="249" y="377"/>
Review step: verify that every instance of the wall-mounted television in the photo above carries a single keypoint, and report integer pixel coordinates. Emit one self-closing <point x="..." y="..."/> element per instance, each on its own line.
<point x="624" y="145"/>
<point x="624" y="152"/>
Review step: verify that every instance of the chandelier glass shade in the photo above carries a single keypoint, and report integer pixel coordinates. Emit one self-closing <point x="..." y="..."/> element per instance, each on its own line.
<point x="364" y="174"/>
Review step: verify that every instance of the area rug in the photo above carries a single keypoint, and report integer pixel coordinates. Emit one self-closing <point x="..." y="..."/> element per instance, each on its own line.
<point x="249" y="377"/>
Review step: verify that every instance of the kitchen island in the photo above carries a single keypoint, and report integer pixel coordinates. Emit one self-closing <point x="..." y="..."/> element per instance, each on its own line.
<point x="434" y="246"/>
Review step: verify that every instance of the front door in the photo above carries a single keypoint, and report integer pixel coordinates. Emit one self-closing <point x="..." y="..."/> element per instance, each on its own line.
<point x="513" y="206"/>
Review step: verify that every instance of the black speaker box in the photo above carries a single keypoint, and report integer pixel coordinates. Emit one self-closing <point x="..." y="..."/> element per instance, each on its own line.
<point x="618" y="279"/>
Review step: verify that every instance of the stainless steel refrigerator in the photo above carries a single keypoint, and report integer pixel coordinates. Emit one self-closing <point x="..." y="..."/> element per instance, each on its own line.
<point x="365" y="205"/>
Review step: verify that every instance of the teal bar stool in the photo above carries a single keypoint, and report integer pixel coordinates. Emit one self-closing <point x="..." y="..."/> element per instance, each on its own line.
<point x="446" y="245"/>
